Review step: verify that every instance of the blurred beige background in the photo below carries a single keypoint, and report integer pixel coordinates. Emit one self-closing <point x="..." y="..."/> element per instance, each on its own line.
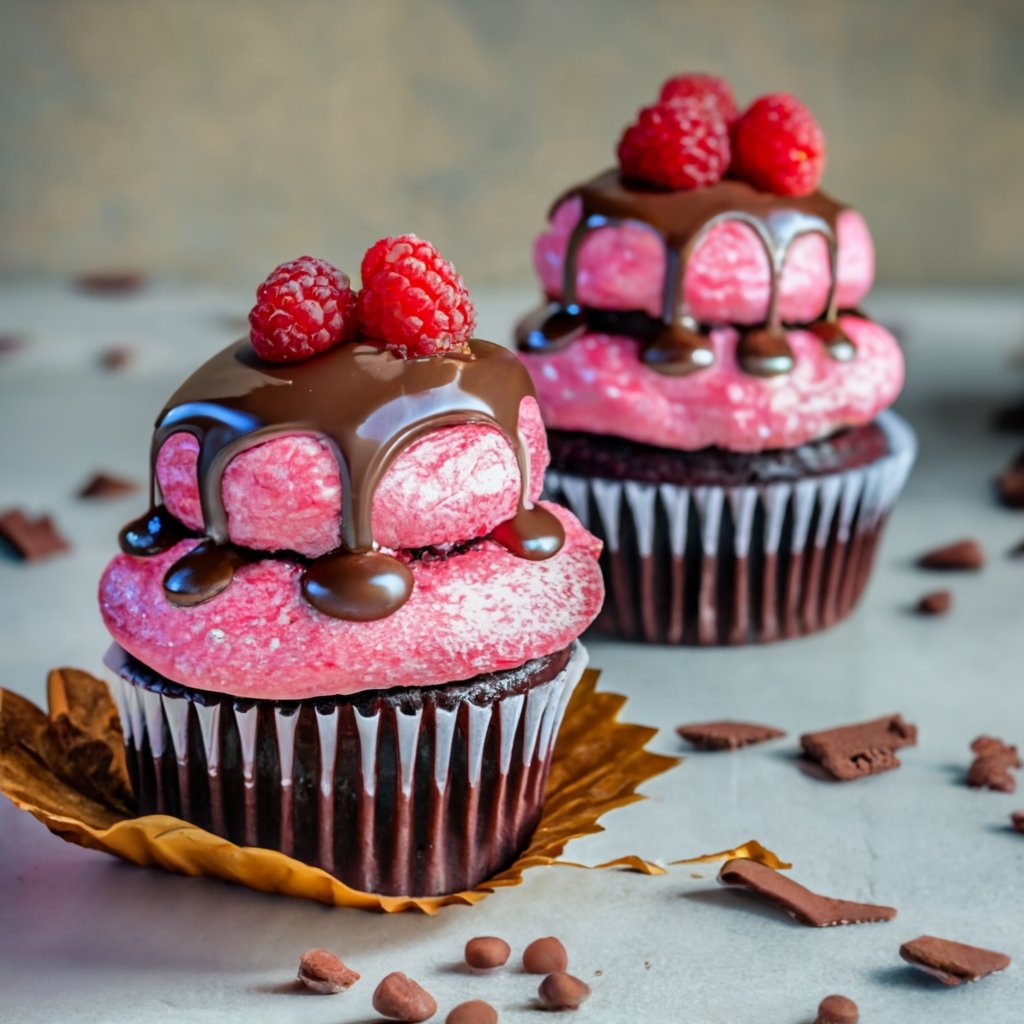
<point x="217" y="137"/>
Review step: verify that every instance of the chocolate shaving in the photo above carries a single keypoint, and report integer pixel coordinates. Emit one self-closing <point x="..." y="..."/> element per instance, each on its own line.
<point x="952" y="962"/>
<point x="1010" y="483"/>
<point x="963" y="555"/>
<point x="851" y="751"/>
<point x="938" y="602"/>
<point x="31" y="539"/>
<point x="991" y="768"/>
<point x="117" y="357"/>
<point x="801" y="904"/>
<point x="111" y="282"/>
<point x="727" y="734"/>
<point x="106" y="485"/>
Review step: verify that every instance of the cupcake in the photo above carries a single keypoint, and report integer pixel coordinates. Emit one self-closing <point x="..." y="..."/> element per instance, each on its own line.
<point x="716" y="400"/>
<point x="346" y="629"/>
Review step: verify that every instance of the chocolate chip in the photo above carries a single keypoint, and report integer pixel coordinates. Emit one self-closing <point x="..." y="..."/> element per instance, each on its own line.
<point x="801" y="904"/>
<point x="487" y="952"/>
<point x="398" y="997"/>
<point x="938" y="602"/>
<point x="952" y="962"/>
<point x="866" y="748"/>
<point x="321" y="971"/>
<point x="476" y="1011"/>
<point x="561" y="991"/>
<point x="545" y="956"/>
<point x="726" y="734"/>
<point x="111" y="282"/>
<point x="837" y="1010"/>
<point x="106" y="485"/>
<point x="117" y="357"/>
<point x="963" y="555"/>
<point x="1017" y="820"/>
<point x="31" y="539"/>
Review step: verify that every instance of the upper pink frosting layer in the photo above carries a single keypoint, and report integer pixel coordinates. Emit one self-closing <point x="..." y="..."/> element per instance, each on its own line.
<point x="452" y="485"/>
<point x="598" y="384"/>
<point x="727" y="277"/>
<point x="478" y="611"/>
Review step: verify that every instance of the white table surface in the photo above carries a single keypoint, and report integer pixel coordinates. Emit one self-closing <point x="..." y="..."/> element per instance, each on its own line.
<point x="84" y="937"/>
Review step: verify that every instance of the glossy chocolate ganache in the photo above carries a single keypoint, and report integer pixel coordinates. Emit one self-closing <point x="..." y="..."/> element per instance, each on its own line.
<point x="675" y="343"/>
<point x="367" y="405"/>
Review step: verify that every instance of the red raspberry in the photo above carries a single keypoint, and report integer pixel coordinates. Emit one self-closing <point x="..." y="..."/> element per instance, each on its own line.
<point x="413" y="300"/>
<point x="709" y="88"/>
<point x="305" y="306"/>
<point x="680" y="144"/>
<point x="778" y="147"/>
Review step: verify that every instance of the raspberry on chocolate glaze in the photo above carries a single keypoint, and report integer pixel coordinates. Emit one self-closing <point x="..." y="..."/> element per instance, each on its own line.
<point x="680" y="144"/>
<point x="304" y="307"/>
<point x="711" y="89"/>
<point x="413" y="300"/>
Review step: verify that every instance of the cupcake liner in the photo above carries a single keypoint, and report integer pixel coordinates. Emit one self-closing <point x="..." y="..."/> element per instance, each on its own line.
<point x="732" y="565"/>
<point x="390" y="795"/>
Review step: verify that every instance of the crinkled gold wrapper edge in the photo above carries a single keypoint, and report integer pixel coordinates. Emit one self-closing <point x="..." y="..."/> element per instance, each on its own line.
<point x="598" y="764"/>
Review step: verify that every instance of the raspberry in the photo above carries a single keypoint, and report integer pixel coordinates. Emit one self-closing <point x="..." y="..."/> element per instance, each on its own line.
<point x="778" y="146"/>
<point x="305" y="306"/>
<point x="680" y="144"/>
<point x="413" y="300"/>
<point x="709" y="88"/>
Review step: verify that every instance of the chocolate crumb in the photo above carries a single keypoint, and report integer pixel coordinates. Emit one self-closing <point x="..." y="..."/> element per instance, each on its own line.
<point x="561" y="991"/>
<point x="800" y="903"/>
<point x="963" y="555"/>
<point x="117" y="357"/>
<point x="106" y="485"/>
<point x="952" y="962"/>
<point x="837" y="1010"/>
<point x="991" y="767"/>
<point x="321" y="971"/>
<point x="938" y="602"/>
<point x="727" y="734"/>
<point x="486" y="952"/>
<point x="111" y="282"/>
<point x="545" y="956"/>
<point x="31" y="539"/>
<point x="1017" y="820"/>
<point x="398" y="997"/>
<point x="866" y="748"/>
<point x="476" y="1011"/>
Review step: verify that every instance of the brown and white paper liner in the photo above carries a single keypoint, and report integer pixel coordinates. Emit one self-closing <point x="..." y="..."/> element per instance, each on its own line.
<point x="734" y="565"/>
<point x="393" y="797"/>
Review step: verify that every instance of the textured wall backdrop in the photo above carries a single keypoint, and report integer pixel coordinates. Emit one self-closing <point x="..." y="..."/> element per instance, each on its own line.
<point x="216" y="137"/>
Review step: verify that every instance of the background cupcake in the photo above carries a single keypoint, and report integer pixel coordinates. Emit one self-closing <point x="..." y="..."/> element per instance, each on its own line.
<point x="716" y="402"/>
<point x="348" y="632"/>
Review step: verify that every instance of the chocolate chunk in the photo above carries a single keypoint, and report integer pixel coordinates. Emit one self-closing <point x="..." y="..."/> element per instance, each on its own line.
<point x="111" y="282"/>
<point x="31" y="539"/>
<point x="991" y="768"/>
<point x="851" y="751"/>
<point x="963" y="555"/>
<point x="117" y="357"/>
<point x="801" y="904"/>
<point x="545" y="956"/>
<point x="476" y="1011"/>
<point x="561" y="991"/>
<point x="486" y="952"/>
<point x="1017" y="820"/>
<point x="952" y="962"/>
<point x="938" y="602"/>
<point x="727" y="735"/>
<point x="837" y="1010"/>
<point x="321" y="971"/>
<point x="398" y="997"/>
<point x="106" y="485"/>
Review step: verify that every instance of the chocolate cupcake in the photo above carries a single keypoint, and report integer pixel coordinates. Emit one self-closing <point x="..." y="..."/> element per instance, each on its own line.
<point x="347" y="629"/>
<point x="716" y="401"/>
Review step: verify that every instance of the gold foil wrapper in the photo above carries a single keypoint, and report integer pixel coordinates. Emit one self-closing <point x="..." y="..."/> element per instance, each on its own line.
<point x="67" y="769"/>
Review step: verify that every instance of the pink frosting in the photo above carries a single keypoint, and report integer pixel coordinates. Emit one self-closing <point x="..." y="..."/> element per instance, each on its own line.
<point x="478" y="611"/>
<point x="598" y="384"/>
<point x="454" y="484"/>
<point x="727" y="280"/>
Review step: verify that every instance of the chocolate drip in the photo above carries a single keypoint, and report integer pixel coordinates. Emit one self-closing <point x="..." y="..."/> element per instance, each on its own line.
<point x="682" y="220"/>
<point x="367" y="405"/>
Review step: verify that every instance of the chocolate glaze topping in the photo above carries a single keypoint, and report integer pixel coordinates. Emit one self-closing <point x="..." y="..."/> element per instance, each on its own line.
<point x="366" y="405"/>
<point x="675" y="343"/>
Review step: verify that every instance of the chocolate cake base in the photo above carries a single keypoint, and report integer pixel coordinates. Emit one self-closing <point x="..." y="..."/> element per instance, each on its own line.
<point x="411" y="791"/>
<point x="715" y="547"/>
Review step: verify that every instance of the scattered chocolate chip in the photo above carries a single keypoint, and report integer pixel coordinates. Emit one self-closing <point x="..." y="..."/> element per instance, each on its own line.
<point x="1017" y="820"/>
<point x="106" y="485"/>
<point x="938" y="602"/>
<point x="545" y="956"/>
<point x="487" y="952"/>
<point x="962" y="555"/>
<point x="561" y="991"/>
<point x="837" y="1010"/>
<point x="851" y="751"/>
<point x="398" y="997"/>
<point x="801" y="904"/>
<point x="321" y="971"/>
<point x="111" y="282"/>
<point x="31" y="539"/>
<point x="727" y="735"/>
<point x="991" y="768"/>
<point x="476" y="1011"/>
<point x="117" y="357"/>
<point x="952" y="962"/>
